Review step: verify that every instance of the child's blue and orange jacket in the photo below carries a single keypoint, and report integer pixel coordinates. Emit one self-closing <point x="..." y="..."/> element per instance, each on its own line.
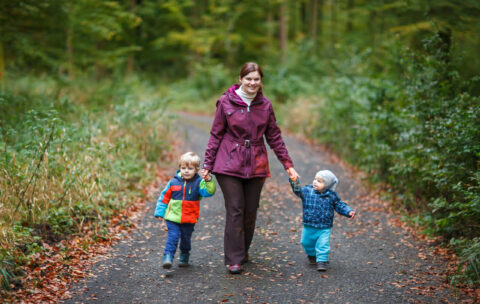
<point x="179" y="202"/>
<point x="318" y="206"/>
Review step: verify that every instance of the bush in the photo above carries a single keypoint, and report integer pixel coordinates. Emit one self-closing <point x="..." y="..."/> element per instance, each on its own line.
<point x="66" y="163"/>
<point x="419" y="134"/>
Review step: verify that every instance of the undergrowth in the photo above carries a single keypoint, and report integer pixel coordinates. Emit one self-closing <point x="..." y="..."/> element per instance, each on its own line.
<point x="71" y="154"/>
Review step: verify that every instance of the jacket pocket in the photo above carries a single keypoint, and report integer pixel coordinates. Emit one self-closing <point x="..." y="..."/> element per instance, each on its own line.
<point x="235" y="117"/>
<point x="230" y="155"/>
<point x="228" y="159"/>
<point x="260" y="160"/>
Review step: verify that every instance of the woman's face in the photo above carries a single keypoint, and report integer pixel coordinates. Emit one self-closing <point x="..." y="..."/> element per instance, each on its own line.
<point x="251" y="82"/>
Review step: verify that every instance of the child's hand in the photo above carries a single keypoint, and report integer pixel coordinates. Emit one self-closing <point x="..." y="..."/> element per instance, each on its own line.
<point x="163" y="224"/>
<point x="351" y="214"/>
<point x="206" y="175"/>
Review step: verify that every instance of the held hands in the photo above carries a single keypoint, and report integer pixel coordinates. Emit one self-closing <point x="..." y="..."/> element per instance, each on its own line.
<point x="292" y="174"/>
<point x="351" y="214"/>
<point x="205" y="174"/>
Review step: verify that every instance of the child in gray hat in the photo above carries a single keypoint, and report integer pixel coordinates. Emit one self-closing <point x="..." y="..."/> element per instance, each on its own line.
<point x="319" y="200"/>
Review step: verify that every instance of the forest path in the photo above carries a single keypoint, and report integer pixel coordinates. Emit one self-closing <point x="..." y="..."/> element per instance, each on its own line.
<point x="371" y="260"/>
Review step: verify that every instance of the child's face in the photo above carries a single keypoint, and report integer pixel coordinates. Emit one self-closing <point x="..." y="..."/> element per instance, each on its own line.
<point x="318" y="184"/>
<point x="187" y="171"/>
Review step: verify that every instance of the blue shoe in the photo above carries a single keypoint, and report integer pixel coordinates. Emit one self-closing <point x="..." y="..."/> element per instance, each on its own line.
<point x="322" y="266"/>
<point x="167" y="261"/>
<point x="183" y="260"/>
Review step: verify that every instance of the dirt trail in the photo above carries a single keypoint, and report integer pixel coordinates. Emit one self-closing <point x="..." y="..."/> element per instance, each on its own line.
<point x="371" y="260"/>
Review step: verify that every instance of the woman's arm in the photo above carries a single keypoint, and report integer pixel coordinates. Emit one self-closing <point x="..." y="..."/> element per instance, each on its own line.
<point x="273" y="135"/>
<point x="216" y="134"/>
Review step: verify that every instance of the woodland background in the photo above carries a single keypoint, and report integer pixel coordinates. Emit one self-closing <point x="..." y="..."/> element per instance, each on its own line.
<point x="392" y="86"/>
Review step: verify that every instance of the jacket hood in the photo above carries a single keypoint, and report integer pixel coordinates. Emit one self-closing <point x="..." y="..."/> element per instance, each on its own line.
<point x="233" y="96"/>
<point x="328" y="178"/>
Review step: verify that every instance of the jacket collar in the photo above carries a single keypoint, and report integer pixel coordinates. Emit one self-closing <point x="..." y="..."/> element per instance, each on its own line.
<point x="178" y="176"/>
<point x="233" y="96"/>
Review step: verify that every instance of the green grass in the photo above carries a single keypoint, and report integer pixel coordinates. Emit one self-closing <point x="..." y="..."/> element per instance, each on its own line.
<point x="72" y="154"/>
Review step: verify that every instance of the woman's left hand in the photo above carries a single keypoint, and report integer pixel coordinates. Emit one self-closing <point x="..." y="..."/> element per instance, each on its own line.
<point x="292" y="174"/>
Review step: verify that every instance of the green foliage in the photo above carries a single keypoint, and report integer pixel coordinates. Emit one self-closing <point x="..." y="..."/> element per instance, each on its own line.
<point x="468" y="271"/>
<point x="66" y="164"/>
<point x="419" y="134"/>
<point x="411" y="119"/>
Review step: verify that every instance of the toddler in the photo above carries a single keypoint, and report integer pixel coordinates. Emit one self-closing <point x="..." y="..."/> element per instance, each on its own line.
<point x="179" y="206"/>
<point x="319" y="200"/>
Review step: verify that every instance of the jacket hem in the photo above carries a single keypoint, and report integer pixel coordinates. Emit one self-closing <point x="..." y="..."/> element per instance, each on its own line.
<point x="241" y="175"/>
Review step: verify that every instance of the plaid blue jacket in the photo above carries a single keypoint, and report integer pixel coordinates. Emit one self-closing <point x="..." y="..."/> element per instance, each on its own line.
<point x="318" y="207"/>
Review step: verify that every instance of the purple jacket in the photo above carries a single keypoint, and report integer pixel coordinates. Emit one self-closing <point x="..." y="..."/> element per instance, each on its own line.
<point x="236" y="146"/>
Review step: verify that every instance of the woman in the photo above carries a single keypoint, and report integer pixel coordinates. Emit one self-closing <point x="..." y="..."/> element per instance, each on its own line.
<point x="236" y="154"/>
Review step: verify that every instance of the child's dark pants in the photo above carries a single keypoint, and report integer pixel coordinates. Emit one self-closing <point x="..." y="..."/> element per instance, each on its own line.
<point x="242" y="198"/>
<point x="182" y="232"/>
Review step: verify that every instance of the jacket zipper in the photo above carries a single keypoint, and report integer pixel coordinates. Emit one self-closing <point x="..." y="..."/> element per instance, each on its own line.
<point x="183" y="198"/>
<point x="249" y="148"/>
<point x="184" y="186"/>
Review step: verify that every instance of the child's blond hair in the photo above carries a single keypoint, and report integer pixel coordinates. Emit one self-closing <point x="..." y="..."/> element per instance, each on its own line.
<point x="190" y="159"/>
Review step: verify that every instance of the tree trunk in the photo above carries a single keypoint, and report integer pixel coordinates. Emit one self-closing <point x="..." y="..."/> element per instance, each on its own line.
<point x="131" y="58"/>
<point x="350" y="6"/>
<point x="333" y="23"/>
<point x="70" y="53"/>
<point x="99" y="68"/>
<point x="320" y="19"/>
<point x="372" y="20"/>
<point x="2" y="67"/>
<point x="283" y="29"/>
<point x="270" y="25"/>
<point x="314" y="21"/>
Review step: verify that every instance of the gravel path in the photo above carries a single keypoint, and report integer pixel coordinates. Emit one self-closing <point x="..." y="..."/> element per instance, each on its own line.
<point x="371" y="260"/>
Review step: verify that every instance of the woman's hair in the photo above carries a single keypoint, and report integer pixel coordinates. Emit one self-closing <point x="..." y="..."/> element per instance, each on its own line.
<point x="190" y="159"/>
<point x="250" y="67"/>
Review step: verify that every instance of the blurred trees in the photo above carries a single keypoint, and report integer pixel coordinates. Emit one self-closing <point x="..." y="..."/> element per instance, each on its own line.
<point x="404" y="72"/>
<point x="170" y="36"/>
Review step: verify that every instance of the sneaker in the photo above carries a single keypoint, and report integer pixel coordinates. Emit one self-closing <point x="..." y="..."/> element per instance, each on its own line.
<point x="183" y="260"/>
<point x="167" y="261"/>
<point x="312" y="260"/>
<point x="235" y="269"/>
<point x="322" y="266"/>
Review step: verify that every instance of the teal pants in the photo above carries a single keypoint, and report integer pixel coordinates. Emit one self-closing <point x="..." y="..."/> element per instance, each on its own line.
<point x="316" y="242"/>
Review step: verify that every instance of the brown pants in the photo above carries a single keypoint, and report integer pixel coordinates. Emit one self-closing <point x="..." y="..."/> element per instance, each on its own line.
<point x="242" y="198"/>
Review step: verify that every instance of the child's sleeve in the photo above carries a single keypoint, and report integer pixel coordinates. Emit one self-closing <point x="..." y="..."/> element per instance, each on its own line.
<point x="163" y="201"/>
<point x="341" y="207"/>
<point x="207" y="189"/>
<point x="296" y="187"/>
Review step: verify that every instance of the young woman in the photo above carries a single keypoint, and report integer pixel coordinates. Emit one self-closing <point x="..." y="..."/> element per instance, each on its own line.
<point x="237" y="155"/>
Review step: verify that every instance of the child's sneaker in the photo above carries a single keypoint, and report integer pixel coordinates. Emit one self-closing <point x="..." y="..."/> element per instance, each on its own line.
<point x="167" y="261"/>
<point x="183" y="260"/>
<point x="312" y="260"/>
<point x="322" y="266"/>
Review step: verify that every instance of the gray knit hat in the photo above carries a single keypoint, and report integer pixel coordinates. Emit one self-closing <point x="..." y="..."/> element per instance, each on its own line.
<point x="328" y="178"/>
